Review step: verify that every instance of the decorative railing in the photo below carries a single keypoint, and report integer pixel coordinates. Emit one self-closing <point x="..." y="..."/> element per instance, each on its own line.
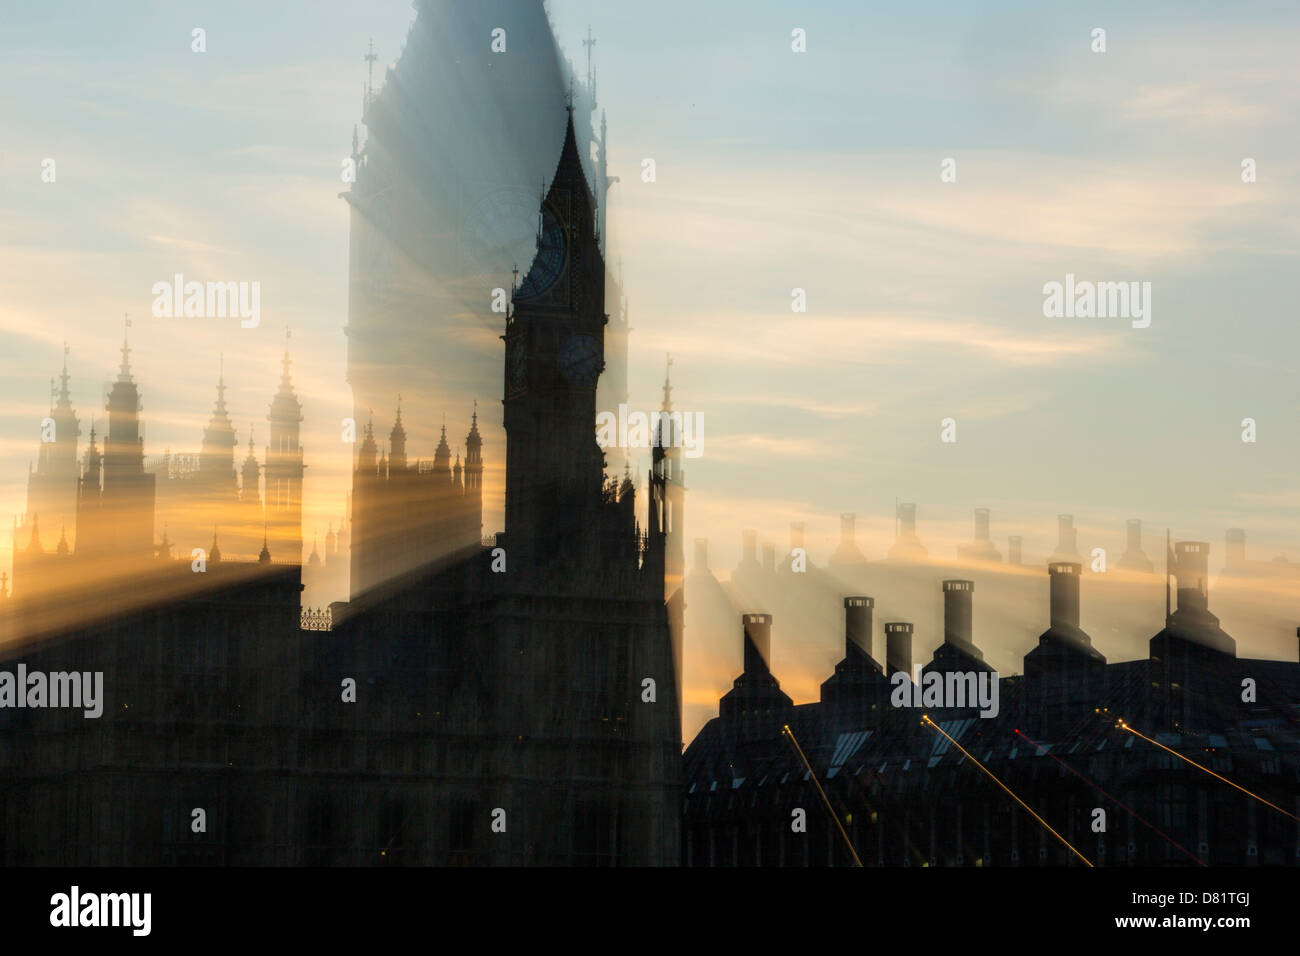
<point x="316" y="619"/>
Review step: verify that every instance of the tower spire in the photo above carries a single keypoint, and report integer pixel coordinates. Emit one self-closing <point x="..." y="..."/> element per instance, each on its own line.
<point x="590" y="44"/>
<point x="286" y="385"/>
<point x="65" y="396"/>
<point x="221" y="384"/>
<point x="124" y="370"/>
<point x="370" y="59"/>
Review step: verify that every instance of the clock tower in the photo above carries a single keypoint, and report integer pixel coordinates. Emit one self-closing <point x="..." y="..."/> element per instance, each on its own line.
<point x="554" y="355"/>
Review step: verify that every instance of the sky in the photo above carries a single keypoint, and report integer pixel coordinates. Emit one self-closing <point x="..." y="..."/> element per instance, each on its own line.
<point x="775" y="171"/>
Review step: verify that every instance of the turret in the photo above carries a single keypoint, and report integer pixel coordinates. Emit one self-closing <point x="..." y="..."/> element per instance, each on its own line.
<point x="217" y="458"/>
<point x="284" y="466"/>
<point x="397" y="444"/>
<point x="250" y="476"/>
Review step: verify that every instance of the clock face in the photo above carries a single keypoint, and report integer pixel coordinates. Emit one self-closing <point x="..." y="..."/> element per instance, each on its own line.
<point x="501" y="228"/>
<point x="549" y="262"/>
<point x="580" y="360"/>
<point x="516" y="364"/>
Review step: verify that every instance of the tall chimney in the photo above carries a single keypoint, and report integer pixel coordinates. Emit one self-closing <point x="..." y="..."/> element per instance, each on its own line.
<point x="1235" y="541"/>
<point x="847" y="532"/>
<point x="1064" y="578"/>
<point x="1134" y="534"/>
<point x="701" y="554"/>
<point x="906" y="519"/>
<point x="751" y="546"/>
<point x="1067" y="542"/>
<point x="1193" y="561"/>
<point x="981" y="524"/>
<point x="769" y="557"/>
<point x="957" y="611"/>
<point x="796" y="534"/>
<point x="1013" y="549"/>
<point x="898" y="648"/>
<point x="857" y="625"/>
<point x="758" y="642"/>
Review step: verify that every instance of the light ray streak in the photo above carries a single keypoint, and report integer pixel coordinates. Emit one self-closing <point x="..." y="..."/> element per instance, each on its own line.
<point x="825" y="799"/>
<point x="926" y="720"/>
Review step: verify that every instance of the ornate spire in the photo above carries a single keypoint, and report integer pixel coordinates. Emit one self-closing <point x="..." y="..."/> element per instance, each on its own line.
<point x="442" y="455"/>
<point x="668" y="388"/>
<point x="265" y="556"/>
<point x="473" y="441"/>
<point x="397" y="439"/>
<point x="368" y="451"/>
<point x="221" y="385"/>
<point x="124" y="370"/>
<point x="63" y="540"/>
<point x="93" y="458"/>
<point x="370" y="58"/>
<point x="286" y="384"/>
<point x="65" y="396"/>
<point x="214" y="552"/>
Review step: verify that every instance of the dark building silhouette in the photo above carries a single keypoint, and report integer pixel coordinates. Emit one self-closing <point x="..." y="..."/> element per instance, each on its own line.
<point x="907" y="796"/>
<point x="458" y="152"/>
<point x="505" y="704"/>
<point x="958" y="651"/>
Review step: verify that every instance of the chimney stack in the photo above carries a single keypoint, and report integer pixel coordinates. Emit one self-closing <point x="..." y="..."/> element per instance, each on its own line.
<point x="769" y="557"/>
<point x="1064" y="577"/>
<point x="898" y="648"/>
<point x="847" y="528"/>
<point x="701" y="554"/>
<point x="751" y="546"/>
<point x="906" y="519"/>
<point x="758" y="642"/>
<point x="1192" y="571"/>
<point x="1067" y="540"/>
<point x="1134" y="534"/>
<point x="981" y="524"/>
<point x="957" y="597"/>
<point x="1013" y="549"/>
<point x="1235" y="541"/>
<point x="857" y="625"/>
